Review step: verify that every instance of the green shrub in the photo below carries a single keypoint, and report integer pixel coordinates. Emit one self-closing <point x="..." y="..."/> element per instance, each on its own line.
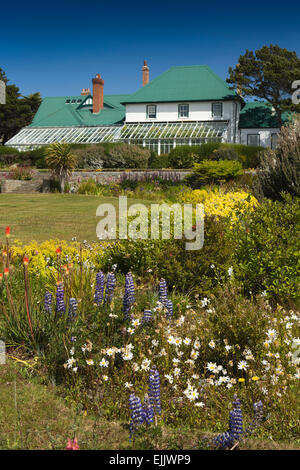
<point x="88" y="187"/>
<point x="128" y="156"/>
<point x="112" y="156"/>
<point x="227" y="153"/>
<point x="280" y="170"/>
<point x="267" y="249"/>
<point x="184" y="156"/>
<point x="186" y="270"/>
<point x="209" y="171"/>
<point x="159" y="161"/>
<point x="91" y="156"/>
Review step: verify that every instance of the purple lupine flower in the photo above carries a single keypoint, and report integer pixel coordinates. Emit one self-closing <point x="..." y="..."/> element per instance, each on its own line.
<point x="136" y="414"/>
<point x="147" y="412"/>
<point x="60" y="302"/>
<point x="128" y="298"/>
<point x="98" y="297"/>
<point x="169" y="307"/>
<point x="257" y="419"/>
<point x="163" y="291"/>
<point x="147" y="316"/>
<point x="236" y="420"/>
<point x="110" y="287"/>
<point x="48" y="302"/>
<point x="154" y="390"/>
<point x="235" y="431"/>
<point x="73" y="304"/>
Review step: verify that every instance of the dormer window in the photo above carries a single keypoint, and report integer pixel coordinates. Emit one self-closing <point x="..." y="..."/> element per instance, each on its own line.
<point x="151" y="111"/>
<point x="68" y="101"/>
<point x="217" y="110"/>
<point x="73" y="101"/>
<point x="183" y="110"/>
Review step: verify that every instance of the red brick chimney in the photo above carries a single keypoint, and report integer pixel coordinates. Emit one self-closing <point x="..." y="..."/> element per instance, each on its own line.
<point x="98" y="85"/>
<point x="85" y="92"/>
<point x="145" y="70"/>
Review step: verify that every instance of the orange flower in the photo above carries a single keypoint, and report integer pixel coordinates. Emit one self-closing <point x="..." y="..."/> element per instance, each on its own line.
<point x="25" y="260"/>
<point x="58" y="250"/>
<point x="7" y="232"/>
<point x="6" y="272"/>
<point x="4" y="253"/>
<point x="1" y="276"/>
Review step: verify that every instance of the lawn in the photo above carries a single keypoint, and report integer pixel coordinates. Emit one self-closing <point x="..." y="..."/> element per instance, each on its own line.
<point x="42" y="217"/>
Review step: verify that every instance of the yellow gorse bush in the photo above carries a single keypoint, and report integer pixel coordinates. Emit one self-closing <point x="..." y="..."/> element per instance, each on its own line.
<point x="221" y="205"/>
<point x="43" y="256"/>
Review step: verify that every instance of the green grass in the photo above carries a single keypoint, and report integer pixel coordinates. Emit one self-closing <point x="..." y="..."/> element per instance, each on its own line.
<point x="34" y="416"/>
<point x="42" y="217"/>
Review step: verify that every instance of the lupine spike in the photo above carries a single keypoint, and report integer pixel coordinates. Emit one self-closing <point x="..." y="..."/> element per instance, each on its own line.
<point x="147" y="316"/>
<point x="169" y="307"/>
<point x="98" y="297"/>
<point x="73" y="304"/>
<point x="148" y="413"/>
<point x="128" y="298"/>
<point x="136" y="414"/>
<point x="60" y="302"/>
<point x="235" y="431"/>
<point x="154" y="390"/>
<point x="48" y="303"/>
<point x="110" y="287"/>
<point x="163" y="291"/>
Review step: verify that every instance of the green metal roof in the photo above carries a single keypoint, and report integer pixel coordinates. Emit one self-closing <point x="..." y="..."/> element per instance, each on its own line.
<point x="54" y="111"/>
<point x="260" y="115"/>
<point x="193" y="83"/>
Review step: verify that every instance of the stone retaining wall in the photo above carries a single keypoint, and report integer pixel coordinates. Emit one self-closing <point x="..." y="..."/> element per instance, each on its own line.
<point x="41" y="182"/>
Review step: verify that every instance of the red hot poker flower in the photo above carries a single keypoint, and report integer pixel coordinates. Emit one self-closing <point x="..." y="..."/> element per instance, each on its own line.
<point x="6" y="271"/>
<point x="58" y="250"/>
<point x="25" y="260"/>
<point x="7" y="232"/>
<point x="72" y="445"/>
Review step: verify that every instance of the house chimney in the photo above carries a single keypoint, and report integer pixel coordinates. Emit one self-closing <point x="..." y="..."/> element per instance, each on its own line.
<point x="85" y="92"/>
<point x="98" y="85"/>
<point x="145" y="70"/>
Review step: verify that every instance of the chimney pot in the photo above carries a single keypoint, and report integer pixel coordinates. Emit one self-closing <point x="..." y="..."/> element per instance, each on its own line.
<point x="98" y="98"/>
<point x="85" y="92"/>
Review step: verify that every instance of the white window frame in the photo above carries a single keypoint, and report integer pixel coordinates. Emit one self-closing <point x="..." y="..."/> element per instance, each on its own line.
<point x="253" y="135"/>
<point x="148" y="113"/>
<point x="187" y="110"/>
<point x="212" y="109"/>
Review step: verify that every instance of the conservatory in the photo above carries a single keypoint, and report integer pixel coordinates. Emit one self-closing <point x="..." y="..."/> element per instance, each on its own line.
<point x="158" y="136"/>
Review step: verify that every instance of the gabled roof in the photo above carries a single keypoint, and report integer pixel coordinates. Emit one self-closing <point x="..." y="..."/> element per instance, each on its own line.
<point x="192" y="83"/>
<point x="260" y="114"/>
<point x="56" y="111"/>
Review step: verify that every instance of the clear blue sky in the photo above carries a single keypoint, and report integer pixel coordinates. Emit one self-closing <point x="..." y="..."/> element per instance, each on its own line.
<point x="57" y="47"/>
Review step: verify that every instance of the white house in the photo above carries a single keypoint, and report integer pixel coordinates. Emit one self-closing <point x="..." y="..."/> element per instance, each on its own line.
<point x="186" y="105"/>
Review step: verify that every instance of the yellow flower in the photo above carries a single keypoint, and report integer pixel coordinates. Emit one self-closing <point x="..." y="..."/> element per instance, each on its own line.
<point x="254" y="378"/>
<point x="241" y="380"/>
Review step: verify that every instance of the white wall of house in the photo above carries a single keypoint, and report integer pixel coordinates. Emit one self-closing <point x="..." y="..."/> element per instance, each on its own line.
<point x="168" y="112"/>
<point x="265" y="136"/>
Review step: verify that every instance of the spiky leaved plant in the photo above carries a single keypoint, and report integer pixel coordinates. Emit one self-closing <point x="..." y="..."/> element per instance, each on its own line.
<point x="61" y="161"/>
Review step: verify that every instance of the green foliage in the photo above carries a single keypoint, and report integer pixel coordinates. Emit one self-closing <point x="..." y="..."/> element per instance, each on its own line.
<point x="209" y="171"/>
<point x="18" y="111"/>
<point x="267" y="249"/>
<point x="109" y="155"/>
<point x="186" y="270"/>
<point x="61" y="161"/>
<point x="89" y="187"/>
<point x="267" y="74"/>
<point x="159" y="161"/>
<point x="280" y="170"/>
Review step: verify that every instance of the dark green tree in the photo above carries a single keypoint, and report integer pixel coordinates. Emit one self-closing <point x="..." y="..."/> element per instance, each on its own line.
<point x="18" y="111"/>
<point x="267" y="74"/>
